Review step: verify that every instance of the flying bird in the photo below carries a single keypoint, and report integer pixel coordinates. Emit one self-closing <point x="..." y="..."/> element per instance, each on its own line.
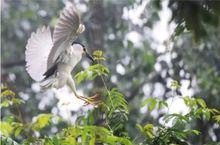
<point x="50" y="58"/>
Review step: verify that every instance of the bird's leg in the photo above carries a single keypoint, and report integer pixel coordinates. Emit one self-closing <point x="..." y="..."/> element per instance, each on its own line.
<point x="71" y="84"/>
<point x="88" y="100"/>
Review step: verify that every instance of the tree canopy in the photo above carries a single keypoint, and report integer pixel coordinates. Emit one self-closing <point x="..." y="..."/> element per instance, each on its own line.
<point x="156" y="70"/>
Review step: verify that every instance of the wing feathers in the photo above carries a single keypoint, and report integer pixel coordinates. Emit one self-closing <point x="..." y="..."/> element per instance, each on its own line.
<point x="42" y="51"/>
<point x="69" y="21"/>
<point x="37" y="50"/>
<point x="64" y="32"/>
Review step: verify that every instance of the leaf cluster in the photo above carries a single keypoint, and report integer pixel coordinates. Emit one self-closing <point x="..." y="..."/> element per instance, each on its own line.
<point x="94" y="70"/>
<point x="9" y="98"/>
<point x="180" y="128"/>
<point x="116" y="111"/>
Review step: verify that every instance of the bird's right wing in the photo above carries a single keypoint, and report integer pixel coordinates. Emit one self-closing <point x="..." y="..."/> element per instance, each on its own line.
<point x="37" y="50"/>
<point x="67" y="28"/>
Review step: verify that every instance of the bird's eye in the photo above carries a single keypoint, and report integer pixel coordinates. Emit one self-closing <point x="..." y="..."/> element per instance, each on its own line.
<point x="84" y="49"/>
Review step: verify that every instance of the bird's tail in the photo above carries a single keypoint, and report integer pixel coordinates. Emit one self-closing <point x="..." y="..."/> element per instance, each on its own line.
<point x="48" y="83"/>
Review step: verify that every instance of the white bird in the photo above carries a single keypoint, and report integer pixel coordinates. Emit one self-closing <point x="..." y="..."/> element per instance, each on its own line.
<point x="51" y="58"/>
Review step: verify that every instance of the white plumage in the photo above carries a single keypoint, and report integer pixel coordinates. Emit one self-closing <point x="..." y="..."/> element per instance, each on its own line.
<point x="51" y="61"/>
<point x="37" y="50"/>
<point x="42" y="52"/>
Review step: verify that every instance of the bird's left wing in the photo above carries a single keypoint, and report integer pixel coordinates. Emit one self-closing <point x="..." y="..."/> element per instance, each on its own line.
<point x="67" y="28"/>
<point x="37" y="50"/>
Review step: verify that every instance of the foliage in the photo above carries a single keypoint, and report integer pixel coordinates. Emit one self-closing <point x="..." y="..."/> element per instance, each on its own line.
<point x="114" y="106"/>
<point x="180" y="129"/>
<point x="146" y="66"/>
<point x="8" y="98"/>
<point x="42" y="121"/>
<point x="194" y="16"/>
<point x="94" y="70"/>
<point x="116" y="112"/>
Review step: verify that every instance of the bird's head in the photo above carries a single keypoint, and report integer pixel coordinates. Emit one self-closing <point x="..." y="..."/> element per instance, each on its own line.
<point x="82" y="50"/>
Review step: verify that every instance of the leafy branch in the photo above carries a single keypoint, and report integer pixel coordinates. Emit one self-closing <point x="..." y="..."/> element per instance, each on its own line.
<point x="180" y="129"/>
<point x="115" y="113"/>
<point x="115" y="105"/>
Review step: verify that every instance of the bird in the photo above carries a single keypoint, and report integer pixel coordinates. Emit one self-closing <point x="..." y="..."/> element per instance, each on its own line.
<point x="51" y="57"/>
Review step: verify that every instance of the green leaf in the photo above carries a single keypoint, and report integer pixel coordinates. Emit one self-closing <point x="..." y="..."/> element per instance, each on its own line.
<point x="214" y="111"/>
<point x="48" y="141"/>
<point x="84" y="137"/>
<point x="181" y="134"/>
<point x="207" y="114"/>
<point x="201" y="102"/>
<point x="42" y="121"/>
<point x="197" y="113"/>
<point x="81" y="76"/>
<point x="8" y="98"/>
<point x="18" y="131"/>
<point x="175" y="84"/>
<point x="145" y="102"/>
<point x="18" y="127"/>
<point x="92" y="72"/>
<point x="196" y="132"/>
<point x="56" y="140"/>
<point x="149" y="130"/>
<point x="152" y="103"/>
<point x="69" y="140"/>
<point x="191" y="102"/>
<point x="140" y="127"/>
<point x="162" y="104"/>
<point x="17" y="101"/>
<point x="97" y="53"/>
<point x="7" y="93"/>
<point x="9" y="119"/>
<point x="6" y="128"/>
<point x="5" y="103"/>
<point x="92" y="140"/>
<point x="177" y="118"/>
<point x="217" y="118"/>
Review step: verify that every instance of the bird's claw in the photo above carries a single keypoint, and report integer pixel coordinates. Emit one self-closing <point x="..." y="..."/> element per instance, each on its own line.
<point x="93" y="100"/>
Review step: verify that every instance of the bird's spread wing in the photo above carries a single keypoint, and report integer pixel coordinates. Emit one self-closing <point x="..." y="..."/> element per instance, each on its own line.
<point x="65" y="31"/>
<point x="37" y="50"/>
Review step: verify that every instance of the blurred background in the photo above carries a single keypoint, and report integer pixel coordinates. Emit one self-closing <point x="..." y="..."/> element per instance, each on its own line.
<point x="147" y="44"/>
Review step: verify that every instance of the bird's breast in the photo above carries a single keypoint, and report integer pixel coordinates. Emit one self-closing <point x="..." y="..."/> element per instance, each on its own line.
<point x="69" y="58"/>
<point x="72" y="57"/>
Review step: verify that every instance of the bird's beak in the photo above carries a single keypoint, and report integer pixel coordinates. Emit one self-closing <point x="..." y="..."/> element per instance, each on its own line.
<point x="89" y="56"/>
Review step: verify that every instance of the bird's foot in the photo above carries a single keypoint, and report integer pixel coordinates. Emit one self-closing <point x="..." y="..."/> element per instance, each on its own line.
<point x="92" y="100"/>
